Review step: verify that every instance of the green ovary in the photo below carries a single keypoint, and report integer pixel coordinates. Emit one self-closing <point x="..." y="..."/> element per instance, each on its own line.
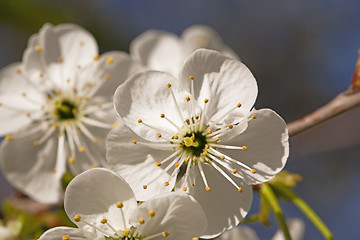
<point x="65" y="109"/>
<point x="196" y="145"/>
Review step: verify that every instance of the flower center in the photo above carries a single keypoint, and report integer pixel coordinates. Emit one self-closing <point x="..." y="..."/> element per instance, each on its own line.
<point x="65" y="109"/>
<point x="194" y="143"/>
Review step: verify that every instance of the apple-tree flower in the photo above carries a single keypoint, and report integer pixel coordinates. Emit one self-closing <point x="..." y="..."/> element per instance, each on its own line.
<point x="164" y="51"/>
<point x="56" y="108"/>
<point x="103" y="206"/>
<point x="198" y="133"/>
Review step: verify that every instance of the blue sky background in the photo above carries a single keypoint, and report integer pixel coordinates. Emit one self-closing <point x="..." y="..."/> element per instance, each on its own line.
<point x="302" y="54"/>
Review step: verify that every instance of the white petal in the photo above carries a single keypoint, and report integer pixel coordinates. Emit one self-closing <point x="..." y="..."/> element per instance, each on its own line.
<point x="224" y="206"/>
<point x="176" y="213"/>
<point x="267" y="144"/>
<point x="223" y="80"/>
<point x="93" y="195"/>
<point x="107" y="73"/>
<point x="296" y="228"/>
<point x="241" y="232"/>
<point x="74" y="45"/>
<point x="14" y="107"/>
<point x="146" y="96"/>
<point x="201" y="36"/>
<point x="58" y="233"/>
<point x="136" y="163"/>
<point x="29" y="168"/>
<point x="158" y="50"/>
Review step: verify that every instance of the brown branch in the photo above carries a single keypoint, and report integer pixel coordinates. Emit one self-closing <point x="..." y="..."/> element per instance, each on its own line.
<point x="341" y="103"/>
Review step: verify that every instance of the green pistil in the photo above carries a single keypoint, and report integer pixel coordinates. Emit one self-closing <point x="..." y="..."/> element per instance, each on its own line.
<point x="65" y="109"/>
<point x="194" y="143"/>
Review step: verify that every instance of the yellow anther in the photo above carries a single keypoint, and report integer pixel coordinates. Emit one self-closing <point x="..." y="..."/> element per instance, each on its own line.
<point x="152" y="213"/>
<point x="253" y="171"/>
<point x="78" y="66"/>
<point x="55" y="125"/>
<point x="206" y="146"/>
<point x="166" y="184"/>
<point x="244" y="148"/>
<point x="217" y="139"/>
<point x="109" y="60"/>
<point x="74" y="111"/>
<point x="187" y="98"/>
<point x="28" y="114"/>
<point x="230" y="126"/>
<point x="240" y="190"/>
<point x="36" y="143"/>
<point x="57" y="93"/>
<point x="114" y="125"/>
<point x="71" y="160"/>
<point x="86" y="98"/>
<point x="1" y="104"/>
<point x="18" y="70"/>
<point x="119" y="205"/>
<point x="206" y="100"/>
<point x="238" y="105"/>
<point x="139" y="121"/>
<point x="144" y="187"/>
<point x="38" y="48"/>
<point x="158" y="164"/>
<point x="53" y="171"/>
<point x="159" y="135"/>
<point x="181" y="145"/>
<point x="59" y="59"/>
<point x="194" y="238"/>
<point x="81" y="149"/>
<point x="165" y="234"/>
<point x="168" y="85"/>
<point x="210" y="131"/>
<point x="94" y="165"/>
<point x="187" y="120"/>
<point x="175" y="137"/>
<point x="95" y="141"/>
<point x="66" y="237"/>
<point x="48" y="98"/>
<point x="207" y="160"/>
<point x="100" y="105"/>
<point x="8" y="137"/>
<point x="89" y="84"/>
<point x="187" y="159"/>
<point x="141" y="220"/>
<point x="67" y="122"/>
<point x="107" y="76"/>
<point x="77" y="218"/>
<point x="59" y="135"/>
<point x="134" y="141"/>
<point x="196" y="117"/>
<point x="207" y="188"/>
<point x="254" y="116"/>
<point x="127" y="232"/>
<point x="194" y="158"/>
<point x="162" y="115"/>
<point x="191" y="77"/>
<point x="42" y="107"/>
<point x="23" y="94"/>
<point x="68" y="80"/>
<point x="74" y="90"/>
<point x="193" y="184"/>
<point x="204" y="153"/>
<point x="177" y="164"/>
<point x="222" y="157"/>
<point x="234" y="171"/>
<point x="81" y="43"/>
<point x="103" y="221"/>
<point x="96" y="57"/>
<point x="184" y="189"/>
<point x="192" y="138"/>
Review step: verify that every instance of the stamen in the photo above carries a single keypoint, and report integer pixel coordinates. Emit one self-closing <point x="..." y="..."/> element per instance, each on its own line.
<point x="120" y="206"/>
<point x="203" y="175"/>
<point x="225" y="175"/>
<point x="253" y="116"/>
<point x="152" y="213"/>
<point x="109" y="60"/>
<point x="96" y="123"/>
<point x="176" y="104"/>
<point x="227" y="146"/>
<point x="141" y="220"/>
<point x="224" y="157"/>
<point x="8" y="137"/>
<point x="66" y="237"/>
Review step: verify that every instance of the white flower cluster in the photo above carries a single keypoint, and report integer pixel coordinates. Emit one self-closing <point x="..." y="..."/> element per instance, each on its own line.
<point x="184" y="135"/>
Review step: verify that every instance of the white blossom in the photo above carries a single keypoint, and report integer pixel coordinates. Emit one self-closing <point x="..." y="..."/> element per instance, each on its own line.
<point x="56" y="109"/>
<point x="198" y="133"/>
<point x="103" y="206"/>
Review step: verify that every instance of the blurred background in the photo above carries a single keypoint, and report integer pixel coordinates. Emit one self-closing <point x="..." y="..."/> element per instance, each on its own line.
<point x="302" y="54"/>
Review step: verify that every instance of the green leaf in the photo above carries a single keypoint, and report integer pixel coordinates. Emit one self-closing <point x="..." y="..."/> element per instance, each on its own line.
<point x="268" y="194"/>
<point x="288" y="194"/>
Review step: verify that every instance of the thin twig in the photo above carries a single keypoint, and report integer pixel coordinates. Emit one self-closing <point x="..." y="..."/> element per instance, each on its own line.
<point x="343" y="102"/>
